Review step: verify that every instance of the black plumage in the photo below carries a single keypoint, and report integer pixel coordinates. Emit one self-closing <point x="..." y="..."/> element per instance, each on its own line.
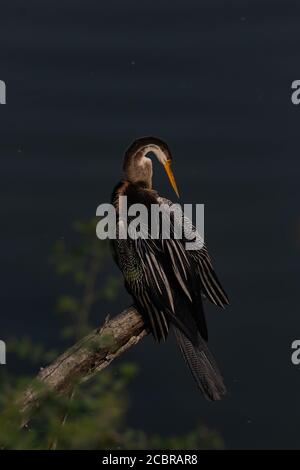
<point x="166" y="281"/>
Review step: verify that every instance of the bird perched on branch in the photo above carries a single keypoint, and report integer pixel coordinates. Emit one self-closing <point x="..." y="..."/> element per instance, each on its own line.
<point x="166" y="281"/>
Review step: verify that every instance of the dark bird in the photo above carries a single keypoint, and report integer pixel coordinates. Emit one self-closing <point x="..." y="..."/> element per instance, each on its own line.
<point x="167" y="282"/>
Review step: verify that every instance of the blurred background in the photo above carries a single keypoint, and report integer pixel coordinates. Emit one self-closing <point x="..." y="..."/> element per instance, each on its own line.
<point x="213" y="79"/>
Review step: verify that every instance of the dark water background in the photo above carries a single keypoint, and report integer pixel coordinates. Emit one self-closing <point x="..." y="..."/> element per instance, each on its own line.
<point x="213" y="78"/>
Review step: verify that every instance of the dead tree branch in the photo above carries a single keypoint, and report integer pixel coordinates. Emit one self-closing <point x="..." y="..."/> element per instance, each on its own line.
<point x="87" y="357"/>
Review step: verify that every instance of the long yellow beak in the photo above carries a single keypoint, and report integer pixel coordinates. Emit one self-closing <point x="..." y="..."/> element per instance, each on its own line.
<point x="167" y="167"/>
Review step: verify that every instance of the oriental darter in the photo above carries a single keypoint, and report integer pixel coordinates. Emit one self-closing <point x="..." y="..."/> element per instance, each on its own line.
<point x="167" y="282"/>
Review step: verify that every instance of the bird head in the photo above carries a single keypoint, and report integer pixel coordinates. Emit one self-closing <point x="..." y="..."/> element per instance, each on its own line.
<point x="138" y="166"/>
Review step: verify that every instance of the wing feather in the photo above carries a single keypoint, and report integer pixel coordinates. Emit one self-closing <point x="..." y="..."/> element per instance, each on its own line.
<point x="156" y="269"/>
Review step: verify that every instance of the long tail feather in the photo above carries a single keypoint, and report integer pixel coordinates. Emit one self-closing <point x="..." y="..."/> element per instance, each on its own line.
<point x="202" y="366"/>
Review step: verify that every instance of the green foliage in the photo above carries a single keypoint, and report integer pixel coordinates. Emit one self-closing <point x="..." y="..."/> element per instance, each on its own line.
<point x="84" y="263"/>
<point x="94" y="416"/>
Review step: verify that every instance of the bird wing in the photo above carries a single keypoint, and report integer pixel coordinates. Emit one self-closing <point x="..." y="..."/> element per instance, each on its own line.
<point x="157" y="271"/>
<point x="147" y="282"/>
<point x="197" y="259"/>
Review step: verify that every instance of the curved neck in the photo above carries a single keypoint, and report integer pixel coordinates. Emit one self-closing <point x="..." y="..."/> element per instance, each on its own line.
<point x="137" y="166"/>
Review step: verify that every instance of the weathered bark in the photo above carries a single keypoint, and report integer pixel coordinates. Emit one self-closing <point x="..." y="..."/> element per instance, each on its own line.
<point x="87" y="357"/>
